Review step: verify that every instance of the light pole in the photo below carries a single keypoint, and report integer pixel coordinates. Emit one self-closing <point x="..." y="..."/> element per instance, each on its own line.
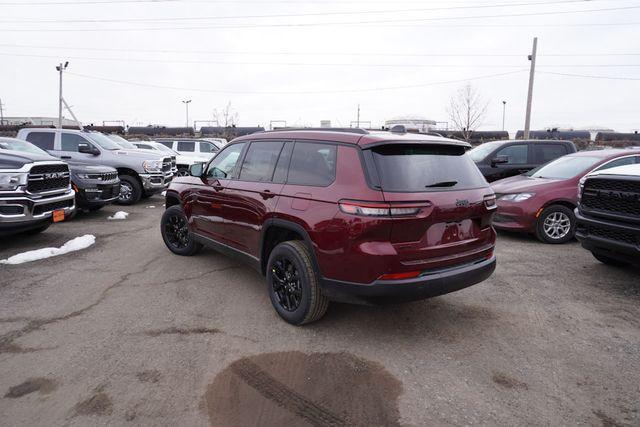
<point x="186" y="104"/>
<point x="60" y="68"/>
<point x="504" y="106"/>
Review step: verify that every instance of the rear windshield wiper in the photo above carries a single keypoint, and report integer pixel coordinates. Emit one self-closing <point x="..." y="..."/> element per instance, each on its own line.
<point x="442" y="184"/>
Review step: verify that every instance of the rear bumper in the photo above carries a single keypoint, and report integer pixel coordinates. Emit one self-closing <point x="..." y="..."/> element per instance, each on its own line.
<point x="613" y="239"/>
<point x="427" y="286"/>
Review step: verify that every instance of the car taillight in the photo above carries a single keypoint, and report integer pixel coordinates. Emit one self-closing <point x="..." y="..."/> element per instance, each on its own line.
<point x="381" y="209"/>
<point x="400" y="276"/>
<point x="490" y="201"/>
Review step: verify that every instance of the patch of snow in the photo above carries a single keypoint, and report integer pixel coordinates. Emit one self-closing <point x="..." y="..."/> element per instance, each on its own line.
<point x="164" y="193"/>
<point x="72" y="245"/>
<point x="119" y="215"/>
<point x="150" y="207"/>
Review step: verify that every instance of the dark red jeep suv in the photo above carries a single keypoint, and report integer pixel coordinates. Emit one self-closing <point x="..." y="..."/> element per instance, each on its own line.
<point x="350" y="216"/>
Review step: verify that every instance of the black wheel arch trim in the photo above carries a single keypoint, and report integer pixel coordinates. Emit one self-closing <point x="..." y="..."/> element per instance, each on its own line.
<point x="289" y="225"/>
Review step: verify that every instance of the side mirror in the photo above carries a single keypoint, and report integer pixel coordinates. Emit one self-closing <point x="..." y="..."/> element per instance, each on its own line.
<point x="499" y="160"/>
<point x="196" y="169"/>
<point x="85" y="148"/>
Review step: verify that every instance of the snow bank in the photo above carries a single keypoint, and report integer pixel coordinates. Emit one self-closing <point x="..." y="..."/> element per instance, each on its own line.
<point x="164" y="193"/>
<point x="72" y="245"/>
<point x="119" y="215"/>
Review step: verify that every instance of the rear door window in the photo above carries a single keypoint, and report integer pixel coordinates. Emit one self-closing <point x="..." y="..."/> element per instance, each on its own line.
<point x="312" y="164"/>
<point x="186" y="146"/>
<point x="547" y="152"/>
<point x="168" y="144"/>
<point x="42" y="140"/>
<point x="260" y="161"/>
<point x="207" y="147"/>
<point x="425" y="167"/>
<point x="516" y="154"/>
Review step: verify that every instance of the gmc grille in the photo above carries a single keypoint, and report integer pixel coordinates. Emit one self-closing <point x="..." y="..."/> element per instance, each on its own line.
<point x="614" y="196"/>
<point x="48" y="178"/>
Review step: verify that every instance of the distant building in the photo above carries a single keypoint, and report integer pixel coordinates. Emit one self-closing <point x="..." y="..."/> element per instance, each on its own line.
<point x="38" y="121"/>
<point x="412" y="123"/>
<point x="325" y="123"/>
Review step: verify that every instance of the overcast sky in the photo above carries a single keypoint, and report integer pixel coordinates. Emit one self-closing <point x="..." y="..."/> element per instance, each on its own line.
<point x="318" y="60"/>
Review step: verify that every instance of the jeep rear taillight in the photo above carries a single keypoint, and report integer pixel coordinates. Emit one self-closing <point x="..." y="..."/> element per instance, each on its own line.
<point x="381" y="209"/>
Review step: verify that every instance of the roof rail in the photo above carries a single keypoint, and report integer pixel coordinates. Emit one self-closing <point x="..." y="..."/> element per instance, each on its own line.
<point x="359" y="131"/>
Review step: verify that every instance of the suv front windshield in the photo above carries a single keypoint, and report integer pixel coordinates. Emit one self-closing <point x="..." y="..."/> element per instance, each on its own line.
<point x="564" y="167"/>
<point x="425" y="167"/>
<point x="18" y="145"/>
<point x="102" y="140"/>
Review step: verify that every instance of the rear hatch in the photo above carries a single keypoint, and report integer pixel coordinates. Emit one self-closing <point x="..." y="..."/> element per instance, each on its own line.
<point x="444" y="204"/>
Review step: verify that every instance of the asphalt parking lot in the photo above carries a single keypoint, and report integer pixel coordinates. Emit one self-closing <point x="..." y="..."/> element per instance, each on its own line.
<point x="125" y="332"/>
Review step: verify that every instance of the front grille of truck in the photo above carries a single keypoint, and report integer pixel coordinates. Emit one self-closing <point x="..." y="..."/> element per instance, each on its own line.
<point x="48" y="178"/>
<point x="48" y="207"/>
<point x="614" y="196"/>
<point x="109" y="176"/>
<point x="166" y="164"/>
<point x="610" y="234"/>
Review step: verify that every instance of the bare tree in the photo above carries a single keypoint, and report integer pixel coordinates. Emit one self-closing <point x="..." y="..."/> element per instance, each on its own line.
<point x="466" y="110"/>
<point x="225" y="117"/>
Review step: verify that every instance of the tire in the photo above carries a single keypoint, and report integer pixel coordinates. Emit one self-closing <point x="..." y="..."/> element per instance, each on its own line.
<point x="556" y="225"/>
<point x="37" y="230"/>
<point x="130" y="190"/>
<point x="609" y="261"/>
<point x="172" y="226"/>
<point x="291" y="261"/>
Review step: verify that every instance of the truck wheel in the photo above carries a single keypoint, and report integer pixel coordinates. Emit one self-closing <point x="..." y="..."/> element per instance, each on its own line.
<point x="175" y="232"/>
<point x="556" y="224"/>
<point x="130" y="190"/>
<point x="293" y="285"/>
<point x="609" y="261"/>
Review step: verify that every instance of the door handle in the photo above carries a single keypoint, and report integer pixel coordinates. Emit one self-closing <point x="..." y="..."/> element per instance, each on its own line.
<point x="267" y="194"/>
<point x="65" y="157"/>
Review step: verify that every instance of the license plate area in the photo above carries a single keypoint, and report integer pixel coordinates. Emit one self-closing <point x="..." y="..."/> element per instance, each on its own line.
<point x="58" y="215"/>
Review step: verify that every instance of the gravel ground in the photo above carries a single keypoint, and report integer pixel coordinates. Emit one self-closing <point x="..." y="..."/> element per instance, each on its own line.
<point x="124" y="332"/>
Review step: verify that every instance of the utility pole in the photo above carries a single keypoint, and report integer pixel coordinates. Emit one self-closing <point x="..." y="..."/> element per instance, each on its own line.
<point x="186" y="104"/>
<point x="532" y="58"/>
<point x="60" y="67"/>
<point x="504" y="107"/>
<point x="358" y="119"/>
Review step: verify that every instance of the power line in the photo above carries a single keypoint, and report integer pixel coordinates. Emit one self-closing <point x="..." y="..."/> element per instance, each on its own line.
<point x="294" y="15"/>
<point x="319" y="92"/>
<point x="311" y="53"/>
<point x="590" y="76"/>
<point x="314" y="64"/>
<point x="319" y="24"/>
<point x="297" y="2"/>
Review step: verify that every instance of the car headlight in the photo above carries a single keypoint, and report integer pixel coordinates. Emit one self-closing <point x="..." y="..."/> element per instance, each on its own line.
<point x="12" y="180"/>
<point x="152" y="165"/>
<point x="581" y="187"/>
<point x="517" y="197"/>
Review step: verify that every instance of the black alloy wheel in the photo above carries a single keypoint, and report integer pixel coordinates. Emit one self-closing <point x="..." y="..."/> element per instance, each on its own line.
<point x="286" y="284"/>
<point x="175" y="232"/>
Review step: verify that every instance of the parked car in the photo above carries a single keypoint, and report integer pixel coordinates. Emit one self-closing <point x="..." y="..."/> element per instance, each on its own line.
<point x="35" y="189"/>
<point x="346" y="216"/>
<point x="190" y="146"/>
<point x="95" y="185"/>
<point x="608" y="215"/>
<point x="502" y="159"/>
<point x="141" y="173"/>
<point x="128" y="145"/>
<point x="542" y="201"/>
<point x="183" y="163"/>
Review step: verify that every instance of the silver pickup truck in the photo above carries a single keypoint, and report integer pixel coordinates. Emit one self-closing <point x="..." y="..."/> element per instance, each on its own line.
<point x="141" y="173"/>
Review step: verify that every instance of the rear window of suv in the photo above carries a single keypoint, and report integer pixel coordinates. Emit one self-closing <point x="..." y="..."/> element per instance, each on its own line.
<point x="425" y="167"/>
